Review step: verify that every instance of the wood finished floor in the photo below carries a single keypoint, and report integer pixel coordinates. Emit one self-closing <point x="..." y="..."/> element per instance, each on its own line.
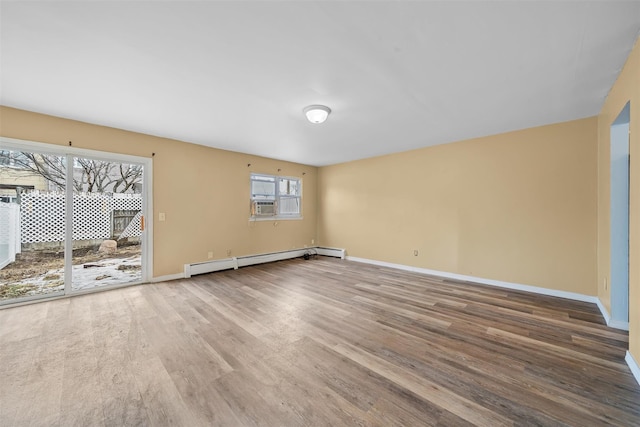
<point x="323" y="342"/>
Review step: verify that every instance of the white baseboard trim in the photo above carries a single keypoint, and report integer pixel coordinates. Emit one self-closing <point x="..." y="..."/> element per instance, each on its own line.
<point x="603" y="311"/>
<point x="490" y="282"/>
<point x="210" y="266"/>
<point x="633" y="365"/>
<point x="244" y="261"/>
<point x="616" y="324"/>
<point x="334" y="252"/>
<point x="167" y="278"/>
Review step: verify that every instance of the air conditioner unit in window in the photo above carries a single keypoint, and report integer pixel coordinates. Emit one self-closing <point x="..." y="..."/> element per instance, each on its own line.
<point x="264" y="208"/>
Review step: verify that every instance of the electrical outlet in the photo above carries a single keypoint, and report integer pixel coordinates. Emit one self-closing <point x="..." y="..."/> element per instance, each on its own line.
<point x="210" y="255"/>
<point x="228" y="252"/>
<point x="415" y="252"/>
<point x="605" y="284"/>
<point x="162" y="216"/>
<point x="313" y="241"/>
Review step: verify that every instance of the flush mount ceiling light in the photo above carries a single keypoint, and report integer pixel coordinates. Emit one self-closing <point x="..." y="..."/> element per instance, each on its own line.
<point x="316" y="113"/>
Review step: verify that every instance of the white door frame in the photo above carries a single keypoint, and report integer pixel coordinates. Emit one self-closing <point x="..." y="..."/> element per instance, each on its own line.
<point x="147" y="208"/>
<point x="619" y="219"/>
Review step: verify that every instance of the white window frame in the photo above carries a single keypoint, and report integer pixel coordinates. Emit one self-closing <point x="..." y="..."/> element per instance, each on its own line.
<point x="277" y="197"/>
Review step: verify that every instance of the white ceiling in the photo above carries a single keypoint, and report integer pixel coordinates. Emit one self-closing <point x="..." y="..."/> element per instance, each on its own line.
<point x="236" y="75"/>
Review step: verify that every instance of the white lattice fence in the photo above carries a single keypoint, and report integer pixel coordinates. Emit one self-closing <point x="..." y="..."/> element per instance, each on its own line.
<point x="126" y="202"/>
<point x="91" y="216"/>
<point x="129" y="202"/>
<point x="133" y="229"/>
<point x="42" y="215"/>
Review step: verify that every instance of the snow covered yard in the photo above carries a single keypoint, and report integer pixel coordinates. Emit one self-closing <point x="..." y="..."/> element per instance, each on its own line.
<point x="41" y="272"/>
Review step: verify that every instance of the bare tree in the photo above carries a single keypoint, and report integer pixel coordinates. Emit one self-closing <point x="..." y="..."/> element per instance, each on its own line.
<point x="88" y="176"/>
<point x="129" y="176"/>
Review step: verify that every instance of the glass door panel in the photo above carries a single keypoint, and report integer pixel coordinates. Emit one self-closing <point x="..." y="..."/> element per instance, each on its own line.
<point x="107" y="223"/>
<point x="32" y="225"/>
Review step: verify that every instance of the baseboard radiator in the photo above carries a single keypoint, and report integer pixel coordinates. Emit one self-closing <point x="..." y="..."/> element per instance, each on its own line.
<point x="243" y="261"/>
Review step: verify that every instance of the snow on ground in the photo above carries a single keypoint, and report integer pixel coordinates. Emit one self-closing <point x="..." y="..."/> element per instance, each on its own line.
<point x="112" y="271"/>
<point x="89" y="275"/>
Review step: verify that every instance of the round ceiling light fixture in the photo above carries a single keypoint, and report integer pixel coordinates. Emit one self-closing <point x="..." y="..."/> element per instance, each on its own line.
<point x="316" y="113"/>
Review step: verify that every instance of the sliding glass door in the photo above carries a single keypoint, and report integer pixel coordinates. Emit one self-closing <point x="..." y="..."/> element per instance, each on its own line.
<point x="71" y="221"/>
<point x="107" y="223"/>
<point x="32" y="224"/>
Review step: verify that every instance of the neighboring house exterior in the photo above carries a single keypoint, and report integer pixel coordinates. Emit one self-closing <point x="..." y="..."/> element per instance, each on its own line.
<point x="14" y="178"/>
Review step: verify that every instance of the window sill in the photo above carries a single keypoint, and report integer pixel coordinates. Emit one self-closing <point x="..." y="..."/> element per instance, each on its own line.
<point x="274" y="218"/>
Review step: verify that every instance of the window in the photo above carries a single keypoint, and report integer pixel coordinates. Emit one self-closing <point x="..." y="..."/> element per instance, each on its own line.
<point x="275" y="197"/>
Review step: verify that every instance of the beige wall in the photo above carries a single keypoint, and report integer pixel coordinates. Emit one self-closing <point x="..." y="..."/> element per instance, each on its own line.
<point x="626" y="88"/>
<point x="517" y="207"/>
<point x="203" y="191"/>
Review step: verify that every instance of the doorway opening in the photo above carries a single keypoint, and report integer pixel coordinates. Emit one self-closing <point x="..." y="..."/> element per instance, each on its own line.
<point x="620" y="219"/>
